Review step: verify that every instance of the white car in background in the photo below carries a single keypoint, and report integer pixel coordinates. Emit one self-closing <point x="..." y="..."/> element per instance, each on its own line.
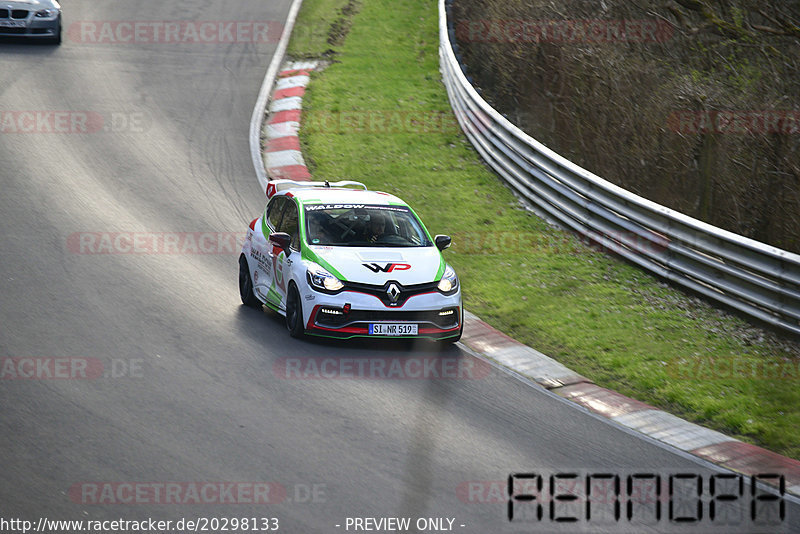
<point x="37" y="19"/>
<point x="341" y="261"/>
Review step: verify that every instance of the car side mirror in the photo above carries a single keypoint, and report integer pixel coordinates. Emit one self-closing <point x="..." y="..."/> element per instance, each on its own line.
<point x="281" y="240"/>
<point x="442" y="241"/>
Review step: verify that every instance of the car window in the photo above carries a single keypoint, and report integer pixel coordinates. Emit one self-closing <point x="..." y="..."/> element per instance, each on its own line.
<point x="274" y="213"/>
<point x="364" y="226"/>
<point x="290" y="225"/>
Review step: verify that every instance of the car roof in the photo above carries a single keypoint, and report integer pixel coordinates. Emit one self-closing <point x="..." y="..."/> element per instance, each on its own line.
<point x="322" y="195"/>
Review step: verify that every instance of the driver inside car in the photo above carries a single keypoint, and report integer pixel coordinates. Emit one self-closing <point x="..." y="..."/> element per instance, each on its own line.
<point x="376" y="228"/>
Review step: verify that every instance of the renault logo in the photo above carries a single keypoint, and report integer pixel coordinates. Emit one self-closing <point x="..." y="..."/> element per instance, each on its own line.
<point x="393" y="292"/>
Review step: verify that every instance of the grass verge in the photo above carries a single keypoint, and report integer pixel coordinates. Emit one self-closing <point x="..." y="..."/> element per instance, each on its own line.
<point x="379" y="114"/>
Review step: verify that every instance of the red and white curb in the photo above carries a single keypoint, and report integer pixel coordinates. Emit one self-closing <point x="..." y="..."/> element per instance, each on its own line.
<point x="282" y="156"/>
<point x="694" y="439"/>
<point x="257" y="117"/>
<point x="284" y="160"/>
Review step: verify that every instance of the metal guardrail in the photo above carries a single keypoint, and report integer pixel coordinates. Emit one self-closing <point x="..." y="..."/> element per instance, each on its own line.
<point x="755" y="278"/>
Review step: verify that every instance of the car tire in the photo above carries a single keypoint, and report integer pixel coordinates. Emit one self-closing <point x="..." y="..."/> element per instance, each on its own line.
<point x="246" y="285"/>
<point x="294" y="313"/>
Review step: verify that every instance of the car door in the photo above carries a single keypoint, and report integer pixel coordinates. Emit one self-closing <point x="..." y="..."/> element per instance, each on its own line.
<point x="263" y="252"/>
<point x="282" y="259"/>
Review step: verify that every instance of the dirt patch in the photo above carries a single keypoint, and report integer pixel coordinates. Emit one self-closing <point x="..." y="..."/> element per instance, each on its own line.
<point x="341" y="26"/>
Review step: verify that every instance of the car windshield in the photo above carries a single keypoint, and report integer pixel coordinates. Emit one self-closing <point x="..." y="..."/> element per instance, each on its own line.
<point x="361" y="225"/>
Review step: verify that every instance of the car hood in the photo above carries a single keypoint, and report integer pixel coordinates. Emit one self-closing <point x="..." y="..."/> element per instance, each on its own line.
<point x="27" y="4"/>
<point x="378" y="265"/>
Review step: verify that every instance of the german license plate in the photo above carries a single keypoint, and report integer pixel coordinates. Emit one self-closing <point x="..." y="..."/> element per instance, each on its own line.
<point x="12" y="23"/>
<point x="393" y="329"/>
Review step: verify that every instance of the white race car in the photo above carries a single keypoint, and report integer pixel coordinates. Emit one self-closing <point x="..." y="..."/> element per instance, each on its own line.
<point x="340" y="261"/>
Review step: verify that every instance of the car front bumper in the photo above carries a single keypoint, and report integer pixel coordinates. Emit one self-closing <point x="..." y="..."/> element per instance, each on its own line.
<point x="31" y="28"/>
<point x="349" y="314"/>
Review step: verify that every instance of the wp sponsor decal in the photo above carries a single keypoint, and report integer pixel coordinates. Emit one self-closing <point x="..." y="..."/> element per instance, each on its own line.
<point x="387" y="267"/>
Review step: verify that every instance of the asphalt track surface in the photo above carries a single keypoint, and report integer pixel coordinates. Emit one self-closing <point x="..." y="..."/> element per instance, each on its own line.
<point x="190" y="389"/>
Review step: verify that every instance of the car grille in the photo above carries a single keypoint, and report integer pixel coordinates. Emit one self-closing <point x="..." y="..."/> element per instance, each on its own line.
<point x="367" y="316"/>
<point x="13" y="31"/>
<point x="406" y="292"/>
<point x="14" y="13"/>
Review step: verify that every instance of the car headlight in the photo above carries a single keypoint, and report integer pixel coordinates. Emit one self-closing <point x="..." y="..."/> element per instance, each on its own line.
<point x="449" y="281"/>
<point x="321" y="279"/>
<point x="46" y="13"/>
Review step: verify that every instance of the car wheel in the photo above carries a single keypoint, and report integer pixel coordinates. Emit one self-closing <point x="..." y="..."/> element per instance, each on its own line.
<point x="246" y="284"/>
<point x="294" y="313"/>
